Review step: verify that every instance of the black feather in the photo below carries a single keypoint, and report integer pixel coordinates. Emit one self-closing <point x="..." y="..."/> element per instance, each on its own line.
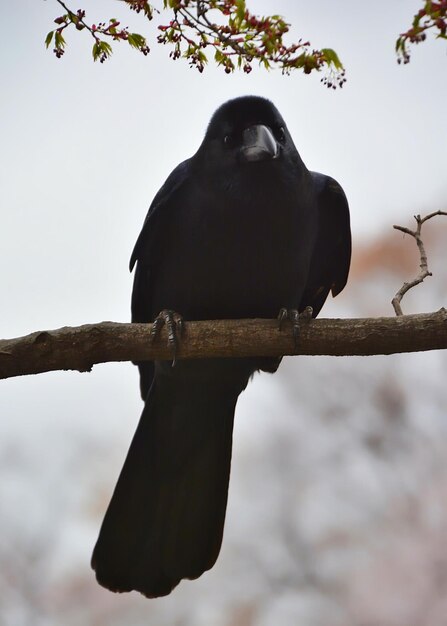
<point x="225" y="237"/>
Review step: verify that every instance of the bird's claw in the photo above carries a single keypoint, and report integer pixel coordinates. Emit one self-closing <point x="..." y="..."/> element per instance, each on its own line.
<point x="307" y="314"/>
<point x="174" y="327"/>
<point x="293" y="316"/>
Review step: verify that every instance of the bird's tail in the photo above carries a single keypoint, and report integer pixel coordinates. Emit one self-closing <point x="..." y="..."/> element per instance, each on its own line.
<point x="166" y="517"/>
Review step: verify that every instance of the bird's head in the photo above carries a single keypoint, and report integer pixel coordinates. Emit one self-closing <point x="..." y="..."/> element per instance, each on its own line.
<point x="247" y="130"/>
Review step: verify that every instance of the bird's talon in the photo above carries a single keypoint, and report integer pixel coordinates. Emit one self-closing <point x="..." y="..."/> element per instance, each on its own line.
<point x="180" y="325"/>
<point x="282" y="315"/>
<point x="173" y="322"/>
<point x="156" y="327"/>
<point x="296" y="332"/>
<point x="307" y="314"/>
<point x="293" y="317"/>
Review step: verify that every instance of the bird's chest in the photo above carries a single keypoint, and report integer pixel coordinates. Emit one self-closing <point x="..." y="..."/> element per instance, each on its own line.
<point x="236" y="258"/>
<point x="248" y="237"/>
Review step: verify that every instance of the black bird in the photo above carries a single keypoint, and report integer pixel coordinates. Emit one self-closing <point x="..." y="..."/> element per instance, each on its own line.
<point x="241" y="229"/>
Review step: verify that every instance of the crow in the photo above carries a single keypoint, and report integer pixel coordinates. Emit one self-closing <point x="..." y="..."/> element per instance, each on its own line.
<point x="241" y="229"/>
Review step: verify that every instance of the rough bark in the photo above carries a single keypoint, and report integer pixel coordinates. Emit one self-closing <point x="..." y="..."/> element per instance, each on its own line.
<point x="79" y="348"/>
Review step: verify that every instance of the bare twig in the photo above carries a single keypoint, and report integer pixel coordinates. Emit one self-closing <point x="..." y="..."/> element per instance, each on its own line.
<point x="81" y="347"/>
<point x="423" y="255"/>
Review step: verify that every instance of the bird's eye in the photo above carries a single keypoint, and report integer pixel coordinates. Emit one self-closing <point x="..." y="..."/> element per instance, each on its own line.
<point x="228" y="141"/>
<point x="281" y="134"/>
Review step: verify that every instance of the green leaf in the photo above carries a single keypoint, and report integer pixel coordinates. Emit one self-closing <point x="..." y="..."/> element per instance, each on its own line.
<point x="219" y="56"/>
<point x="49" y="38"/>
<point x="106" y="48"/>
<point x="73" y="18"/>
<point x="59" y="40"/>
<point x="332" y="58"/>
<point x="240" y="9"/>
<point x="139" y="39"/>
<point x="136" y="41"/>
<point x="96" y="50"/>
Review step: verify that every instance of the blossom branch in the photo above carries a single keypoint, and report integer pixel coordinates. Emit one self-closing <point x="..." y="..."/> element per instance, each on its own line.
<point x="433" y="16"/>
<point x="236" y="37"/>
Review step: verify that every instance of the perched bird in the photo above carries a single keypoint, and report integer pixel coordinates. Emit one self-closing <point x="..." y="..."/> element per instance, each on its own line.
<point x="241" y="229"/>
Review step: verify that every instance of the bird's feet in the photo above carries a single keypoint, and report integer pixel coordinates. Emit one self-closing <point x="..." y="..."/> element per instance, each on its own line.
<point x="174" y="326"/>
<point x="293" y="316"/>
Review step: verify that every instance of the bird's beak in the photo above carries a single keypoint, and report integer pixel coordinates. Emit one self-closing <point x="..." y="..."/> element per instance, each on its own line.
<point x="258" y="144"/>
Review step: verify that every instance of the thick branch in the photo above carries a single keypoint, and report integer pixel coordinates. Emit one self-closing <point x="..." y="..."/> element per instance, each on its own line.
<point x="79" y="348"/>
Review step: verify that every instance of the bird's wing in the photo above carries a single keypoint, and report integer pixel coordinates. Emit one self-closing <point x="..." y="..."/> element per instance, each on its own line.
<point x="151" y="239"/>
<point x="145" y="255"/>
<point x="331" y="256"/>
<point x="162" y="200"/>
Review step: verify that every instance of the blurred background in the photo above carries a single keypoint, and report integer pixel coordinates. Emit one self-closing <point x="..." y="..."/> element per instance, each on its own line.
<point x="337" y="509"/>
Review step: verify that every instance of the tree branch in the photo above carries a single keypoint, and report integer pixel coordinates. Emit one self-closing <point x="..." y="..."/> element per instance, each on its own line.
<point x="423" y="256"/>
<point x="236" y="40"/>
<point x="79" y="348"/>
